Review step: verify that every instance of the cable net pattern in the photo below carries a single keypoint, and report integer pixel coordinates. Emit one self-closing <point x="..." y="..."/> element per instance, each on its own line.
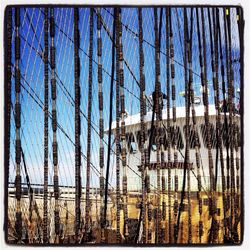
<point x="194" y="71"/>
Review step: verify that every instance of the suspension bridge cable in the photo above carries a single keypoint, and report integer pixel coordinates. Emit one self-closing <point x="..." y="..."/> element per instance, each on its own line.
<point x="101" y="122"/>
<point x="147" y="42"/>
<point x="208" y="130"/>
<point x="124" y="59"/>
<point x="231" y="103"/>
<point x="18" y="222"/>
<point x="32" y="26"/>
<point x="239" y="18"/>
<point x="187" y="128"/>
<point x="143" y="135"/>
<point x="218" y="117"/>
<point x="196" y="138"/>
<point x="110" y="123"/>
<point x="168" y="10"/>
<point x="46" y="131"/>
<point x="54" y="122"/>
<point x="189" y="81"/>
<point x="215" y="71"/>
<point x="174" y="143"/>
<point x="77" y="67"/>
<point x="212" y="51"/>
<point x="117" y="131"/>
<point x="123" y="129"/>
<point x="158" y="113"/>
<point x="152" y="45"/>
<point x="225" y="128"/>
<point x="40" y="104"/>
<point x="87" y="210"/>
<point x="7" y="113"/>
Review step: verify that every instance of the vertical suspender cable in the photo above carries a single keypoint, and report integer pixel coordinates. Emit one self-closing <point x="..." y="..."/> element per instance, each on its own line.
<point x="189" y="84"/>
<point x="110" y="119"/>
<point x="202" y="76"/>
<point x="238" y="127"/>
<point x="196" y="138"/>
<point x="187" y="128"/>
<point x="158" y="118"/>
<point x="101" y="124"/>
<point x="197" y="145"/>
<point x="46" y="130"/>
<point x="77" y="124"/>
<point x="211" y="28"/>
<point x="228" y="127"/>
<point x="208" y="126"/>
<point x="174" y="142"/>
<point x="54" y="123"/>
<point x="225" y="97"/>
<point x="123" y="133"/>
<point x="7" y="94"/>
<point x="161" y="227"/>
<point x="153" y="129"/>
<point x="117" y="133"/>
<point x="143" y="134"/>
<point x="218" y="117"/>
<point x="231" y="104"/>
<point x="148" y="154"/>
<point x="87" y="225"/>
<point x="215" y="69"/>
<point x="168" y="10"/>
<point x="226" y="190"/>
<point x="18" y="222"/>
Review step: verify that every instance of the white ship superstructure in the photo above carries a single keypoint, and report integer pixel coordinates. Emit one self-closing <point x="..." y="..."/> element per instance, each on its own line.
<point x="132" y="123"/>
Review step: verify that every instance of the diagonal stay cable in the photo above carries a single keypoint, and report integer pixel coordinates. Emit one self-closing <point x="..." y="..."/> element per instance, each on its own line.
<point x="147" y="42"/>
<point x="32" y="27"/>
<point x="151" y="45"/>
<point x="70" y="98"/>
<point x="125" y="61"/>
<point x="86" y="54"/>
<point x="40" y="103"/>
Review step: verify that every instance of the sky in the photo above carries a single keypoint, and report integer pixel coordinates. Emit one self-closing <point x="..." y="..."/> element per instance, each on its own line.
<point x="32" y="68"/>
